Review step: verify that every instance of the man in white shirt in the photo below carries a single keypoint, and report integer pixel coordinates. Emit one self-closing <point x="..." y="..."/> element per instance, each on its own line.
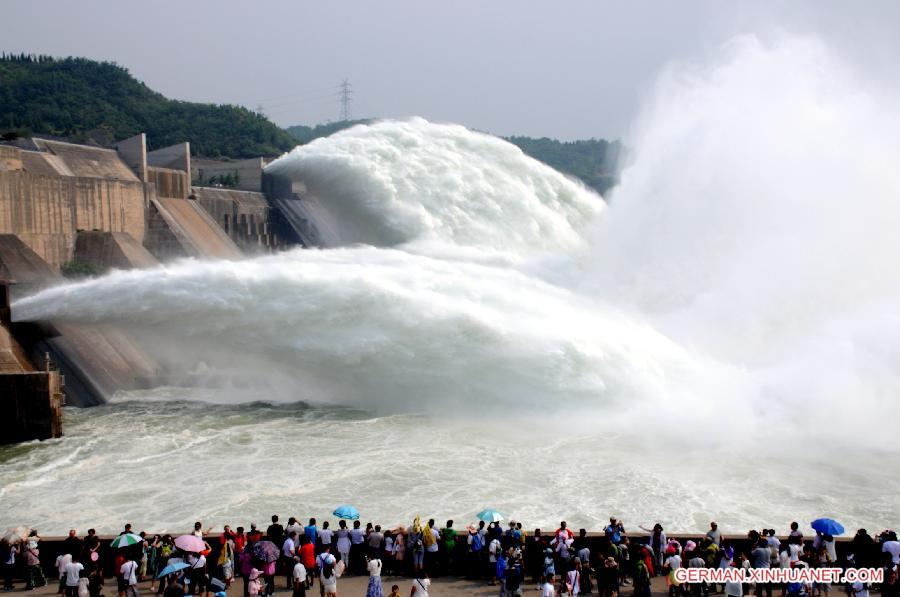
<point x="197" y="572"/>
<point x="893" y="548"/>
<point x="293" y="527"/>
<point x="547" y="589"/>
<point x="325" y="535"/>
<point x="62" y="561"/>
<point x="357" y="537"/>
<point x="129" y="577"/>
<point x="493" y="553"/>
<point x="433" y="547"/>
<point x="299" y="576"/>
<point x="73" y="574"/>
<point x="289" y="556"/>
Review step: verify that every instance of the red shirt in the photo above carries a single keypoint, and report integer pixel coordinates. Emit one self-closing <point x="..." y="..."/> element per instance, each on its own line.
<point x="239" y="542"/>
<point x="308" y="555"/>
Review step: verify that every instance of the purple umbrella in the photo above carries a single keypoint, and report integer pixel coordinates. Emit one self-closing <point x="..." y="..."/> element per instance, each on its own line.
<point x="265" y="551"/>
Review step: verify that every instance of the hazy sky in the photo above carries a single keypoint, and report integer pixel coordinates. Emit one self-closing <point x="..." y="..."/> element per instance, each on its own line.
<point x="566" y="69"/>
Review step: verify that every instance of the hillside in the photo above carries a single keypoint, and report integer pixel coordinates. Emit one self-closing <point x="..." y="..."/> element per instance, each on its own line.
<point x="593" y="161"/>
<point x="79" y="99"/>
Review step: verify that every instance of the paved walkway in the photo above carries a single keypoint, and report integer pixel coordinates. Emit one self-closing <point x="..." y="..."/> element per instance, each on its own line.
<point x="355" y="586"/>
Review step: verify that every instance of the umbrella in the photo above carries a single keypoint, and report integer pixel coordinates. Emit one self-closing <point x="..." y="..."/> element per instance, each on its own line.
<point x="191" y="543"/>
<point x="172" y="569"/>
<point x="827" y="526"/>
<point x="489" y="515"/>
<point x="126" y="540"/>
<point x="346" y="511"/>
<point x="265" y="551"/>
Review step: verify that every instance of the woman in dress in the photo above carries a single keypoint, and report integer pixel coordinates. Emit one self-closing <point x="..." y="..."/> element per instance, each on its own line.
<point x="399" y="550"/>
<point x="343" y="543"/>
<point x="374" y="566"/>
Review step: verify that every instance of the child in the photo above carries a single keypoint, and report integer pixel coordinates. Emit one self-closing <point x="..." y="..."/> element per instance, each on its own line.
<point x="84" y="583"/>
<point x="395" y="591"/>
<point x="549" y="563"/>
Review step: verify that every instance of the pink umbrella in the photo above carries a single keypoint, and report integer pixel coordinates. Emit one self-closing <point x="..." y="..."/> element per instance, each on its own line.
<point x="191" y="543"/>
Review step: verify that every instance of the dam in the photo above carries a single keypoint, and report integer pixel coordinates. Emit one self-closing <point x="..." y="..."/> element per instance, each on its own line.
<point x="68" y="210"/>
<point x="476" y="295"/>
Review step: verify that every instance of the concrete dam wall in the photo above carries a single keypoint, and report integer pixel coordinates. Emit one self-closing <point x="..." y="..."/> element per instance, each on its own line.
<point x="75" y="208"/>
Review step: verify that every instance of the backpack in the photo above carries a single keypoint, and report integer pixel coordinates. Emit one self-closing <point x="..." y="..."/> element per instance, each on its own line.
<point x="477" y="542"/>
<point x="328" y="569"/>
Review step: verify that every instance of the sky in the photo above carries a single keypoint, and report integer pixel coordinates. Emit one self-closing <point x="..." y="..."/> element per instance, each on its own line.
<point x="567" y="69"/>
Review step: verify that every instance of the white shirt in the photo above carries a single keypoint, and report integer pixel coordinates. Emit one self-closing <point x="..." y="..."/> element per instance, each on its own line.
<point x="420" y="586"/>
<point x="299" y="572"/>
<point x="860" y="589"/>
<point x="437" y="539"/>
<point x="784" y="559"/>
<point x="288" y="548"/>
<point x="574" y="579"/>
<point x="357" y="536"/>
<point x="493" y="548"/>
<point x="389" y="544"/>
<point x="84" y="587"/>
<point x="325" y="536"/>
<point x="324" y="558"/>
<point x="734" y="589"/>
<point x="673" y="562"/>
<point x="73" y="573"/>
<point x="830" y="550"/>
<point x="294" y="528"/>
<point x="61" y="562"/>
<point x="128" y="570"/>
<point x="374" y="567"/>
<point x="893" y="548"/>
<point x="547" y="590"/>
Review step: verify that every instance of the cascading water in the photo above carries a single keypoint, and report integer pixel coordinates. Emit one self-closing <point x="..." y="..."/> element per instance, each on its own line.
<point x="503" y="338"/>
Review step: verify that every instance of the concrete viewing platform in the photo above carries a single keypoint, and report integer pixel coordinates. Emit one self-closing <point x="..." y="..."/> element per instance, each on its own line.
<point x="356" y="586"/>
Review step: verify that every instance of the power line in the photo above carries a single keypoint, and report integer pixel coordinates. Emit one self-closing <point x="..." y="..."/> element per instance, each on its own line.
<point x="344" y="98"/>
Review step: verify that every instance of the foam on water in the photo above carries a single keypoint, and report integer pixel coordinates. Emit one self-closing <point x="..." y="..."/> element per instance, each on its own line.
<point x="731" y="314"/>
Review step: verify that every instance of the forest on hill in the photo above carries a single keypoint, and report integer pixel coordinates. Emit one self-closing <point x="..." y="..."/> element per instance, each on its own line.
<point x="84" y="100"/>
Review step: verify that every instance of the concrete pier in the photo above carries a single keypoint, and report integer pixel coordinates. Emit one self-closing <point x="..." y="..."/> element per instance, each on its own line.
<point x="30" y="398"/>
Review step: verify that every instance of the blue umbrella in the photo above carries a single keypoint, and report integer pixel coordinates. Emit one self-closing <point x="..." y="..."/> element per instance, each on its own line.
<point x="346" y="511"/>
<point x="172" y="569"/>
<point x="489" y="515"/>
<point x="827" y="526"/>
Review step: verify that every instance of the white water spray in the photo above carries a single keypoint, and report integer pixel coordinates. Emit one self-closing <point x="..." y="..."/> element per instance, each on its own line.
<point x="738" y="293"/>
<point x="393" y="182"/>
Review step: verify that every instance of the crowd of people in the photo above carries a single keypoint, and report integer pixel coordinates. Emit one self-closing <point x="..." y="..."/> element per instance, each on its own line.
<point x="313" y="555"/>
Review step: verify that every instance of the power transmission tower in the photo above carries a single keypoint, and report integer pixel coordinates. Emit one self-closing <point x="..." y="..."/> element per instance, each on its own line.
<point x="345" y="98"/>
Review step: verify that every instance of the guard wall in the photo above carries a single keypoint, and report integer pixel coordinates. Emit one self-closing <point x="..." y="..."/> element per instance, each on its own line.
<point x="46" y="211"/>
